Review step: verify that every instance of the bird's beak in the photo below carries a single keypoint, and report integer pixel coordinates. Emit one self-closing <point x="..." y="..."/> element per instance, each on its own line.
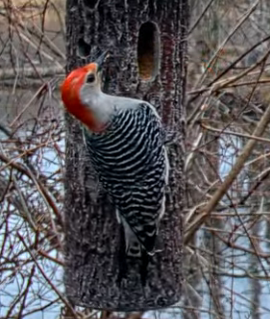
<point x="101" y="59"/>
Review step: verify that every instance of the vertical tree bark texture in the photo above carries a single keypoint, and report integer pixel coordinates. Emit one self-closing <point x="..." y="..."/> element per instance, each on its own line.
<point x="93" y="275"/>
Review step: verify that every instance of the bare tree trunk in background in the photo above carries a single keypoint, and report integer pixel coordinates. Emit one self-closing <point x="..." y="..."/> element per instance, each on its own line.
<point x="148" y="44"/>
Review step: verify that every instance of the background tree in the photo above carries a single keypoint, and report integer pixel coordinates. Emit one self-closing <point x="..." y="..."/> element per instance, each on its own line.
<point x="148" y="45"/>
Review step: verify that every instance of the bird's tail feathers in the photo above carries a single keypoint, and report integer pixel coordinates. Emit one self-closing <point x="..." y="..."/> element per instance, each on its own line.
<point x="133" y="246"/>
<point x="135" y="243"/>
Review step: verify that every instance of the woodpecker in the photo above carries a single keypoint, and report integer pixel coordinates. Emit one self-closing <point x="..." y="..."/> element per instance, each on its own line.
<point x="126" y="142"/>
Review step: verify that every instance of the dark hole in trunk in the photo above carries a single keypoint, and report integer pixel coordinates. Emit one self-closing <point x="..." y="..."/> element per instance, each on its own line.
<point x="148" y="51"/>
<point x="83" y="48"/>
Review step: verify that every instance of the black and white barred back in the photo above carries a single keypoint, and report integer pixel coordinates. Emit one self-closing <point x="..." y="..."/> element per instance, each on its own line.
<point x="130" y="159"/>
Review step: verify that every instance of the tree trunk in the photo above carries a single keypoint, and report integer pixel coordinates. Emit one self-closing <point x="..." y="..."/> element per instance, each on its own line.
<point x="147" y="40"/>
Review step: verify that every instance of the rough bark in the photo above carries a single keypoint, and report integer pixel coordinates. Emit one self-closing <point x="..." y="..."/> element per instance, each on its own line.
<point x="93" y="274"/>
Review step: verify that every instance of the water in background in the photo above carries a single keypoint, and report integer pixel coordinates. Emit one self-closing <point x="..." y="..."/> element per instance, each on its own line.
<point x="238" y="295"/>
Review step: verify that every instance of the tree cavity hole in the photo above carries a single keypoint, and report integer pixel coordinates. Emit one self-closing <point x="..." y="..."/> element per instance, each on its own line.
<point x="148" y="51"/>
<point x="83" y="48"/>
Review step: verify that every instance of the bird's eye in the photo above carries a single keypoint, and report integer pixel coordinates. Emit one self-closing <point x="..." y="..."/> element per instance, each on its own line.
<point x="90" y="78"/>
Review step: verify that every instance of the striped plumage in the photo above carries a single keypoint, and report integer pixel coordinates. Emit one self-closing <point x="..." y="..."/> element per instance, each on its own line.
<point x="125" y="140"/>
<point x="131" y="162"/>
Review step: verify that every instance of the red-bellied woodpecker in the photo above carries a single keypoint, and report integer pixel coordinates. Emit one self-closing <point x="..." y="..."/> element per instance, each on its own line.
<point x="125" y="140"/>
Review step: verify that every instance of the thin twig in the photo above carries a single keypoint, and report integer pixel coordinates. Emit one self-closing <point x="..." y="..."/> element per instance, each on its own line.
<point x="64" y="300"/>
<point x="221" y="191"/>
<point x="221" y="131"/>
